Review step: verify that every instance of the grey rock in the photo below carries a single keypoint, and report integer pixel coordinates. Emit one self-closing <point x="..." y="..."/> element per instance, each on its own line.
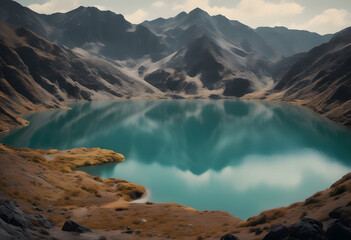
<point x="229" y="237"/>
<point x="335" y="213"/>
<point x="4" y="235"/>
<point x="71" y="226"/>
<point x="43" y="222"/>
<point x="12" y="214"/>
<point x="305" y="229"/>
<point x="339" y="230"/>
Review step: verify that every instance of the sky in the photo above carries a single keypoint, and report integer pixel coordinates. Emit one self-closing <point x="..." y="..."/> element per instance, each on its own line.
<point x="321" y="16"/>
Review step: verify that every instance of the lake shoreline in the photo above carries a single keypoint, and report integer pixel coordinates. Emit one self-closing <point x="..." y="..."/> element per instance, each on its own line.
<point x="18" y="121"/>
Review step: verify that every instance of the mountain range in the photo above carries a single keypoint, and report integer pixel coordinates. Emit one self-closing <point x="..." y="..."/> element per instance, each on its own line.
<point x="86" y="54"/>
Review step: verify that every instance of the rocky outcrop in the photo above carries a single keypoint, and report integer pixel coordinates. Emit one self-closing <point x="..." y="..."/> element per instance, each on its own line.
<point x="14" y="224"/>
<point x="11" y="214"/>
<point x="310" y="229"/>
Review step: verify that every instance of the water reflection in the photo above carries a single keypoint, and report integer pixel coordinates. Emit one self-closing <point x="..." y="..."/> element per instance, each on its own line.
<point x="239" y="156"/>
<point x="258" y="184"/>
<point x="191" y="135"/>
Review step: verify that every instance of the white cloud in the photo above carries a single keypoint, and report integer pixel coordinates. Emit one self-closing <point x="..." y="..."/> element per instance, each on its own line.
<point x="59" y="6"/>
<point x="329" y="21"/>
<point x="158" y="4"/>
<point x="138" y="16"/>
<point x="252" y="12"/>
<point x="100" y="7"/>
<point x="279" y="171"/>
<point x="54" y="6"/>
<point x="287" y="171"/>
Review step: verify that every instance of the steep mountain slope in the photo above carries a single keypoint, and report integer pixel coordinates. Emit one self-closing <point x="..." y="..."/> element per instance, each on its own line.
<point x="321" y="79"/>
<point x="205" y="66"/>
<point x="288" y="42"/>
<point x="35" y="74"/>
<point x="13" y="13"/>
<point x="216" y="56"/>
<point x="180" y="30"/>
<point x="268" y="42"/>
<point x="85" y="28"/>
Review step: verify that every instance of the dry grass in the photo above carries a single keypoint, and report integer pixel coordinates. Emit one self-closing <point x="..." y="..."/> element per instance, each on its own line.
<point x="311" y="200"/>
<point x="130" y="191"/>
<point x="37" y="180"/>
<point x="265" y="217"/>
<point x="344" y="179"/>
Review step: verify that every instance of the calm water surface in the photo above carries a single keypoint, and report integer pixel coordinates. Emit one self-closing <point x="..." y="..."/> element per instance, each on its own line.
<point x="237" y="156"/>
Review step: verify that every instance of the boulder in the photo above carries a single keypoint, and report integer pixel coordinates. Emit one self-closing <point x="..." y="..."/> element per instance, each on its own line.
<point x="305" y="229"/>
<point x="277" y="232"/>
<point x="71" y="226"/>
<point x="339" y="230"/>
<point x="336" y="213"/>
<point x="229" y="237"/>
<point x="341" y="213"/>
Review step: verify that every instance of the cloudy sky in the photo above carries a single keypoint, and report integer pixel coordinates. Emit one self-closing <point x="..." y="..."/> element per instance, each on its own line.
<point x="322" y="16"/>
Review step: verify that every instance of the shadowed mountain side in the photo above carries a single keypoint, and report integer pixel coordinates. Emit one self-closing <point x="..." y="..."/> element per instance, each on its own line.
<point x="118" y="38"/>
<point x="36" y="74"/>
<point x="288" y="42"/>
<point x="14" y="13"/>
<point x="321" y="79"/>
<point x="281" y="66"/>
<point x="115" y="37"/>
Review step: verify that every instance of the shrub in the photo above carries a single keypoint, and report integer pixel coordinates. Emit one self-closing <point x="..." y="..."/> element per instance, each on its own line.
<point x="337" y="191"/>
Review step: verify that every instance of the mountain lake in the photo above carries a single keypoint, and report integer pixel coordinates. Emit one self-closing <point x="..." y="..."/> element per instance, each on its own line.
<point x="237" y="156"/>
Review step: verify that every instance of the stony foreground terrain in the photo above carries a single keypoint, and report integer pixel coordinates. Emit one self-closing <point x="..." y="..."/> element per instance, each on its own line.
<point x="45" y="186"/>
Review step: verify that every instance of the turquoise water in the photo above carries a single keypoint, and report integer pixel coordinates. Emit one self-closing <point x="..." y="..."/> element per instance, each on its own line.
<point x="238" y="156"/>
